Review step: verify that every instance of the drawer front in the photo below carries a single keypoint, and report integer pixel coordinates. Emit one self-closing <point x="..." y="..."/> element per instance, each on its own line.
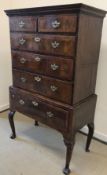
<point x="38" y="109"/>
<point x="50" y="87"/>
<point x="24" y="23"/>
<point x="54" y="66"/>
<point x="47" y="44"/>
<point x="57" y="23"/>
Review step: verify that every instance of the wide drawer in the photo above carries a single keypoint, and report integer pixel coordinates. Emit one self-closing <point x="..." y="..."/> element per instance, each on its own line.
<point x="46" y="44"/>
<point x="47" y="65"/>
<point x="50" y="87"/>
<point x="57" y="23"/>
<point x="37" y="108"/>
<point x="23" y="23"/>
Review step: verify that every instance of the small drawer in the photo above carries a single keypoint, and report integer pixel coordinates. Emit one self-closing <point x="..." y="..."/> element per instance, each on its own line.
<point x="57" y="23"/>
<point x="33" y="106"/>
<point x="54" y="66"/>
<point x="49" y="87"/>
<point x="23" y="23"/>
<point x="46" y="44"/>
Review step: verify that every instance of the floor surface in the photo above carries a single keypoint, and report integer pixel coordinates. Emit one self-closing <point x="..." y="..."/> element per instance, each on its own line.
<point x="40" y="151"/>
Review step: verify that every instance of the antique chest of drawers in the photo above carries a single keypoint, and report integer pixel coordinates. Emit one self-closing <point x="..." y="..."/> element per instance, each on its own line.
<point x="55" y="54"/>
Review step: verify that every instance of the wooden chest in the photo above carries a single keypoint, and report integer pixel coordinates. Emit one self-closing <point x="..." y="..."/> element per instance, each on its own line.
<point x="55" y="53"/>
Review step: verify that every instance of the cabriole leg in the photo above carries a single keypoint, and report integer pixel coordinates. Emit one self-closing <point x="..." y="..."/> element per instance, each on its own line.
<point x="69" y="145"/>
<point x="11" y="121"/>
<point x="90" y="135"/>
<point x="36" y="123"/>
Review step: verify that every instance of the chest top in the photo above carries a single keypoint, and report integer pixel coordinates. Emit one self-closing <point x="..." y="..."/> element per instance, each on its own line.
<point x="71" y="8"/>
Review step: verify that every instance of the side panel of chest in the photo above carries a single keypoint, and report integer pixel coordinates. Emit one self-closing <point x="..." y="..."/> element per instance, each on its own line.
<point x="86" y="62"/>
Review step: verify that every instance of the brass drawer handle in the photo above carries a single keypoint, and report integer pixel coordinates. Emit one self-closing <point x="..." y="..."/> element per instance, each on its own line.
<point x="37" y="78"/>
<point x="55" y="24"/>
<point x="22" y="60"/>
<point x="50" y="114"/>
<point x="21" y="24"/>
<point x="23" y="80"/>
<point x="37" y="39"/>
<point x="37" y="59"/>
<point x="54" y="66"/>
<point x="22" y="41"/>
<point x="21" y="102"/>
<point x="53" y="88"/>
<point x="35" y="103"/>
<point x="55" y="44"/>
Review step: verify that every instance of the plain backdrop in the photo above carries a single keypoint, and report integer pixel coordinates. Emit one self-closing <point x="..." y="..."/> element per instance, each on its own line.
<point x="5" y="58"/>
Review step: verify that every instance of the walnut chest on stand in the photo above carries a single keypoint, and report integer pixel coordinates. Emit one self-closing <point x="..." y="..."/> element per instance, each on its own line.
<point x="55" y="53"/>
